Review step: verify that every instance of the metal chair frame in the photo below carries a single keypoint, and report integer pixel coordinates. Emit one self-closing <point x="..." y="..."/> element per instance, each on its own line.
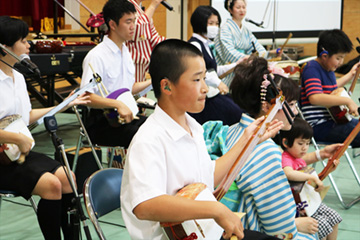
<point x="332" y="181"/>
<point x="102" y="195"/>
<point x="84" y="135"/>
<point x="12" y="194"/>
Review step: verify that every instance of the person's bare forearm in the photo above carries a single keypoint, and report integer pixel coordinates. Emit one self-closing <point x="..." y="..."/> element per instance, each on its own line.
<point x="168" y="208"/>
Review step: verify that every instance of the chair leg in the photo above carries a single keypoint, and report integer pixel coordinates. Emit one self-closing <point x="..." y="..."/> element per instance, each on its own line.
<point x="111" y="156"/>
<point x="33" y="204"/>
<point x="337" y="192"/>
<point x="352" y="167"/>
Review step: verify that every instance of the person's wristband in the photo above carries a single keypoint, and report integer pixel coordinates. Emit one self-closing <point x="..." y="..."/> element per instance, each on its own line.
<point x="278" y="50"/>
<point x="318" y="156"/>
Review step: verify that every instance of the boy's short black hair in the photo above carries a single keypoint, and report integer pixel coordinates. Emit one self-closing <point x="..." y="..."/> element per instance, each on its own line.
<point x="333" y="42"/>
<point x="168" y="61"/>
<point x="200" y="16"/>
<point x="115" y="9"/>
<point x="12" y="30"/>
<point x="245" y="87"/>
<point x="300" y="129"/>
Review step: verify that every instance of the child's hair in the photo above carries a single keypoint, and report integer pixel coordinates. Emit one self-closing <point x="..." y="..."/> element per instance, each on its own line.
<point x="12" y="30"/>
<point x="300" y="129"/>
<point x="229" y="4"/>
<point x="333" y="42"/>
<point x="115" y="9"/>
<point x="168" y="60"/>
<point x="199" y="18"/>
<point x="246" y="85"/>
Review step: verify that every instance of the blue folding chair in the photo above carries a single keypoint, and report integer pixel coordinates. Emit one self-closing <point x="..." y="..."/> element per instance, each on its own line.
<point x="102" y="195"/>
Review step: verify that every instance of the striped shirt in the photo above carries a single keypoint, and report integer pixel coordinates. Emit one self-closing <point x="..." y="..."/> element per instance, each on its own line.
<point x="145" y="39"/>
<point x="263" y="190"/>
<point x="233" y="43"/>
<point x="316" y="80"/>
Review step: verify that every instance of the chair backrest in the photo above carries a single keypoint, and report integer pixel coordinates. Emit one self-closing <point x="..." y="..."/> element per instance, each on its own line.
<point x="102" y="194"/>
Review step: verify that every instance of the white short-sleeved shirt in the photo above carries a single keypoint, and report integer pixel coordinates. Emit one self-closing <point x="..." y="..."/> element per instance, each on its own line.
<point x="114" y="66"/>
<point x="14" y="98"/>
<point x="162" y="158"/>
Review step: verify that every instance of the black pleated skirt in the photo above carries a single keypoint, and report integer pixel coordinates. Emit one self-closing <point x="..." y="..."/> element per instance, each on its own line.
<point x="22" y="178"/>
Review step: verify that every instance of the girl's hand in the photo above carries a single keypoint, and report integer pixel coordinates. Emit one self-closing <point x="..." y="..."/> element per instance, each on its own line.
<point x="24" y="143"/>
<point x="307" y="225"/>
<point x="83" y="99"/>
<point x="329" y="150"/>
<point x="319" y="185"/>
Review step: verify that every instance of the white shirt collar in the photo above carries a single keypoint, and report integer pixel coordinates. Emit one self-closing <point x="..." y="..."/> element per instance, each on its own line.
<point x="173" y="128"/>
<point x="202" y="39"/>
<point x="3" y="76"/>
<point x="111" y="45"/>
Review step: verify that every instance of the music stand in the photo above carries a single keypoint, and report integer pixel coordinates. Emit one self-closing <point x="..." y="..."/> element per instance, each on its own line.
<point x="51" y="126"/>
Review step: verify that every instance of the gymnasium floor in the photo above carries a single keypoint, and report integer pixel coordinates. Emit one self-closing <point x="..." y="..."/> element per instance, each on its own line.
<point x="19" y="222"/>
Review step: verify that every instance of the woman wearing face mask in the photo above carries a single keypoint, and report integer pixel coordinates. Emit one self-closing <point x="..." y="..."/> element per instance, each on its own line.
<point x="235" y="41"/>
<point x="205" y="22"/>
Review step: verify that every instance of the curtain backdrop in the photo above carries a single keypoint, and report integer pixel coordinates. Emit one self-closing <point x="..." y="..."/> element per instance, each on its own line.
<point x="30" y="9"/>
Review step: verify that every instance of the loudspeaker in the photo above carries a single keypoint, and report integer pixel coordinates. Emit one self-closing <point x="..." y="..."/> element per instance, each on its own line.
<point x="86" y="164"/>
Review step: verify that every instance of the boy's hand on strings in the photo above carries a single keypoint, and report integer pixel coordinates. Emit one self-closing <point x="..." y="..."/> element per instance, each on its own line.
<point x="125" y="112"/>
<point x="271" y="130"/>
<point x="230" y="222"/>
<point x="353" y="70"/>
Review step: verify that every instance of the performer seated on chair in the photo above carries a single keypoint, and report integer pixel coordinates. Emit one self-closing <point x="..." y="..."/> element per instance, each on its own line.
<point x="261" y="188"/>
<point x="235" y="40"/>
<point x="295" y="144"/>
<point x="112" y="61"/>
<point x="38" y="175"/>
<point x="318" y="81"/>
<point x="168" y="152"/>
<point x="205" y="22"/>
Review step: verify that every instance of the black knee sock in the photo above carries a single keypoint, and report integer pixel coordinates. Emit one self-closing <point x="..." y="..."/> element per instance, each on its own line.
<point x="49" y="213"/>
<point x="69" y="223"/>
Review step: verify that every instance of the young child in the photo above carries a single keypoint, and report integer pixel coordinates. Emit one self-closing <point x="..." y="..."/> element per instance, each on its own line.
<point x="319" y="80"/>
<point x="168" y="152"/>
<point x="295" y="144"/>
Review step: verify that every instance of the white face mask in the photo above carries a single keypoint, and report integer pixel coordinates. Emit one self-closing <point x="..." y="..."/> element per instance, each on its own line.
<point x="212" y="31"/>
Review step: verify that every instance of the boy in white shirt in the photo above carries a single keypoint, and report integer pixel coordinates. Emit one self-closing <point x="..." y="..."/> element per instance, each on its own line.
<point x="168" y="152"/>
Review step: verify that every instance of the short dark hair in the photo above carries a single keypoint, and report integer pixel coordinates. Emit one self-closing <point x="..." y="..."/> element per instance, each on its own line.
<point x="115" y="9"/>
<point x="333" y="41"/>
<point x="245" y="87"/>
<point x="12" y="30"/>
<point x="200" y="16"/>
<point x="168" y="61"/>
<point x="300" y="129"/>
